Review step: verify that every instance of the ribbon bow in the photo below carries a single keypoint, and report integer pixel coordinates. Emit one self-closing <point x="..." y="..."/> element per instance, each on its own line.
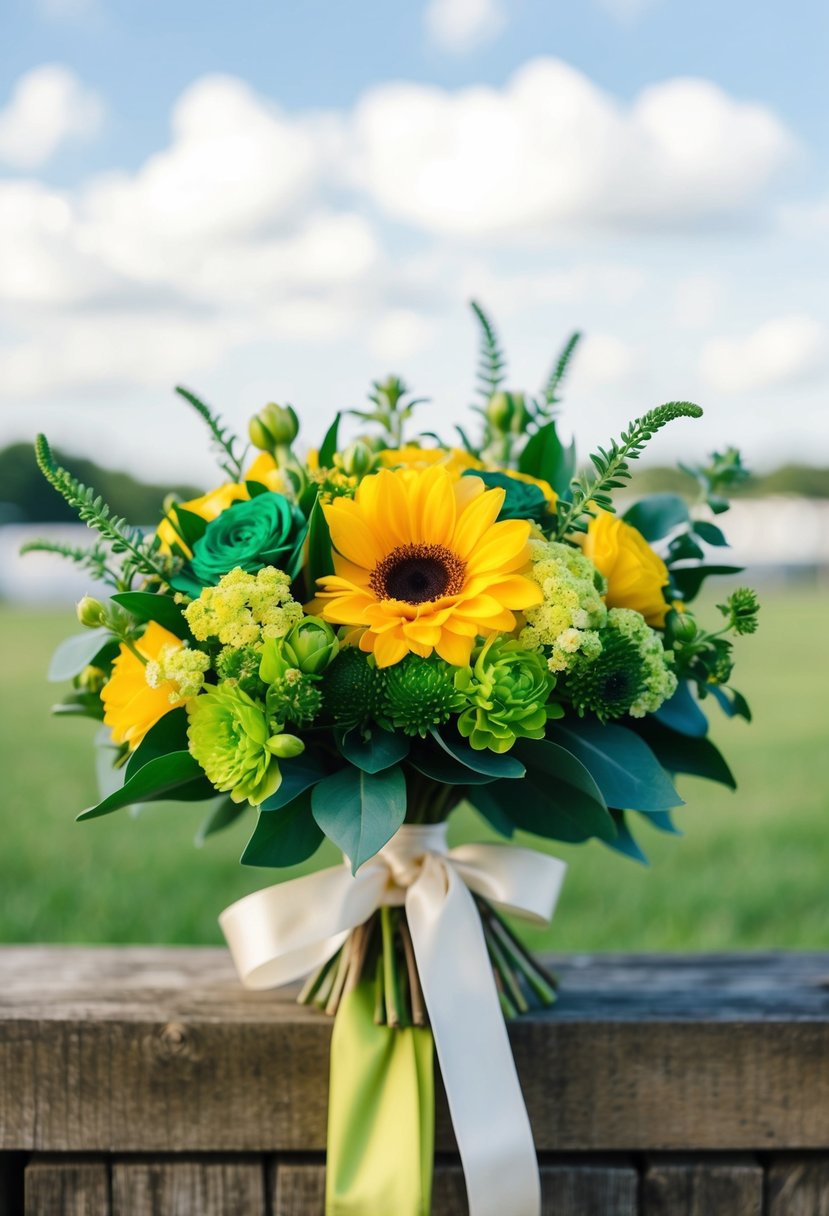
<point x="285" y="931"/>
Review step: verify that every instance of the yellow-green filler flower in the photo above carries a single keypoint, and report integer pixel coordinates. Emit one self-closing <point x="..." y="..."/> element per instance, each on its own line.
<point x="245" y="609"/>
<point x="231" y="739"/>
<point x="565" y="624"/>
<point x="631" y="674"/>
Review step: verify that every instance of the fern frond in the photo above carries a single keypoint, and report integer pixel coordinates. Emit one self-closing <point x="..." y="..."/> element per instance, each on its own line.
<point x="556" y="377"/>
<point x="224" y="441"/>
<point x="139" y="554"/>
<point x="591" y="493"/>
<point x="491" y="362"/>
<point x="92" y="558"/>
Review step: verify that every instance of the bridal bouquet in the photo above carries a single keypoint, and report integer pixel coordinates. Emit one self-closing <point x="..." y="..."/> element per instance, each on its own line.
<point x="356" y="639"/>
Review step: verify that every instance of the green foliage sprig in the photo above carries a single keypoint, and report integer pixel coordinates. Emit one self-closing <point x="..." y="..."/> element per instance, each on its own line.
<point x="224" y="441"/>
<point x="93" y="558"/>
<point x="393" y="407"/>
<point x="140" y="556"/>
<point x="590" y="493"/>
<point x="560" y="367"/>
<point x="491" y="363"/>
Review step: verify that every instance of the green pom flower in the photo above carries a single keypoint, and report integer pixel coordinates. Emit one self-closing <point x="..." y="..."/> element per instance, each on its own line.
<point x="230" y="737"/>
<point x="630" y="676"/>
<point x="421" y="694"/>
<point x="565" y="624"/>
<point x="507" y="689"/>
<point x="353" y="688"/>
<point x="294" y="697"/>
<point x="240" y="666"/>
<point x="267" y="530"/>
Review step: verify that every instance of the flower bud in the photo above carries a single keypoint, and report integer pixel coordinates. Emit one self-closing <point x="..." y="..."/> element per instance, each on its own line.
<point x="679" y="627"/>
<point x="285" y="746"/>
<point x="92" y="679"/>
<point x="313" y="644"/>
<point x="91" y="612"/>
<point x="274" y="426"/>
<point x="358" y="459"/>
<point x="499" y="411"/>
<point x="259" y="435"/>
<point x="276" y="660"/>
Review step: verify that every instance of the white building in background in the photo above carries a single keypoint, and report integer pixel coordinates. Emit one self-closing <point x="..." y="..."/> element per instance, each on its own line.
<point x="772" y="537"/>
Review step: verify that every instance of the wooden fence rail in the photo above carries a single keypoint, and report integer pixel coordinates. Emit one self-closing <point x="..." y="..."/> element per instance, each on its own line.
<point x="147" y="1082"/>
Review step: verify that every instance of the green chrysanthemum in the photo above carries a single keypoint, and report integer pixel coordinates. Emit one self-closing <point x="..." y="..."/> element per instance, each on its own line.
<point x="352" y="688"/>
<point x="421" y="694"/>
<point x="230" y="738"/>
<point x="240" y="666"/>
<point x="631" y="674"/>
<point x="507" y="690"/>
<point x="294" y="697"/>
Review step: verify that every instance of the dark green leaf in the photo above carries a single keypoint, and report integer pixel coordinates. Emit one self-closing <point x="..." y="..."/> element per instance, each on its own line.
<point x="147" y="606"/>
<point x="546" y="456"/>
<point x="710" y="533"/>
<point x="439" y="765"/>
<point x="360" y="811"/>
<point x="682" y="713"/>
<point x="624" y="842"/>
<point x="689" y="579"/>
<point x="284" y="838"/>
<point x="320" y="562"/>
<point x="490" y="809"/>
<point x="168" y="735"/>
<point x="328" y="447"/>
<point x="177" y="775"/>
<point x="223" y="814"/>
<point x="379" y="751"/>
<point x="298" y="774"/>
<point x="732" y="703"/>
<point x="682" y="754"/>
<point x="657" y="515"/>
<point x="489" y="764"/>
<point x="625" y="769"/>
<point x="558" y="798"/>
<point x="684" y="548"/>
<point x="79" y="704"/>
<point x="662" y="821"/>
<point x="189" y="526"/>
<point x="76" y="653"/>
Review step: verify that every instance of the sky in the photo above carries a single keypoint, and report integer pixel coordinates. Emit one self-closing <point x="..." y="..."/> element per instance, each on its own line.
<point x="282" y="202"/>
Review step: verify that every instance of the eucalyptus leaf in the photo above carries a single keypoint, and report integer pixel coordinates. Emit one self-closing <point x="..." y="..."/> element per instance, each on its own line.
<point x="624" y="841"/>
<point x="657" y="515"/>
<point x="624" y="767"/>
<point x="299" y="773"/>
<point x="177" y="775"/>
<point x="380" y="750"/>
<point x="484" y="762"/>
<point x="360" y="811"/>
<point x="682" y="713"/>
<point x="437" y="764"/>
<point x="683" y="754"/>
<point x="285" y="838"/>
<point x="76" y="653"/>
<point x="710" y="533"/>
<point x="732" y="703"/>
<point x="225" y="812"/>
<point x="489" y="807"/>
<point x="689" y="579"/>
<point x="147" y="606"/>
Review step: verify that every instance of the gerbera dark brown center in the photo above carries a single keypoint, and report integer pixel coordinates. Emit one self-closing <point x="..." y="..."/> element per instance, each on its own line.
<point x="417" y="574"/>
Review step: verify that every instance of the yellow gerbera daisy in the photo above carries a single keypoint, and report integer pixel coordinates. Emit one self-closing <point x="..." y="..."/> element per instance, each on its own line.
<point x="131" y="706"/>
<point x="422" y="565"/>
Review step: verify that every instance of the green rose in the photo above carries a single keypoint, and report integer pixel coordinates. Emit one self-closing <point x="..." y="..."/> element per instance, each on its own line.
<point x="268" y="530"/>
<point x="507" y="691"/>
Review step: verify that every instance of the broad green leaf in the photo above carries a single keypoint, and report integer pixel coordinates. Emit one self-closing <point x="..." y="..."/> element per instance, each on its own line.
<point x="328" y="447"/>
<point x="545" y="456"/>
<point x="625" y="769"/>
<point x="79" y="704"/>
<point x="147" y="606"/>
<point x="77" y="652"/>
<point x="379" y="751"/>
<point x="439" y="765"/>
<point x="662" y="821"/>
<point x="319" y="560"/>
<point x="689" y="579"/>
<point x="489" y="807"/>
<point x="657" y="515"/>
<point x="558" y="797"/>
<point x="624" y="842"/>
<point x="683" y="754"/>
<point x="732" y="703"/>
<point x="682" y="713"/>
<point x="360" y="811"/>
<point x="284" y="837"/>
<point x="177" y="775"/>
<point x="168" y="735"/>
<point x="224" y="813"/>
<point x="189" y="526"/>
<point x="298" y="774"/>
<point x="710" y="533"/>
<point x="485" y="762"/>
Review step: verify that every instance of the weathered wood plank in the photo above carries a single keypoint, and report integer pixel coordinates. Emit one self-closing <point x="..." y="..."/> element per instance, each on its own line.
<point x="160" y="1050"/>
<point x="798" y="1187"/>
<point x="696" y="1188"/>
<point x="298" y="1189"/>
<point x="188" y="1188"/>
<point x="70" y="1188"/>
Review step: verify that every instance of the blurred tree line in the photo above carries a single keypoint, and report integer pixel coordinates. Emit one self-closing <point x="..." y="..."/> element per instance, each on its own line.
<point x="26" y="498"/>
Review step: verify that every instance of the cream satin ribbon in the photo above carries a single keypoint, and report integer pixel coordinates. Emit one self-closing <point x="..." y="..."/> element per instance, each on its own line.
<point x="285" y="931"/>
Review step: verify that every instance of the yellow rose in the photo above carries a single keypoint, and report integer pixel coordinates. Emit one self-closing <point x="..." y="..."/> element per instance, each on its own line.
<point x="210" y="506"/>
<point x="131" y="706"/>
<point x="635" y="574"/>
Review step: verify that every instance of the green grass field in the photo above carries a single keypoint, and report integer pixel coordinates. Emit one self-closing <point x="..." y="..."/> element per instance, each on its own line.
<point x="750" y="871"/>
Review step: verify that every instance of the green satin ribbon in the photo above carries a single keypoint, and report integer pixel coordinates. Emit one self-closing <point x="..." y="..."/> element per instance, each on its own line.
<point x="381" y="1115"/>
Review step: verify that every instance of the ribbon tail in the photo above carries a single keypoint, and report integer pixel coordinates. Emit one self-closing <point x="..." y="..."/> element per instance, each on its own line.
<point x="381" y="1115"/>
<point x="491" y="1124"/>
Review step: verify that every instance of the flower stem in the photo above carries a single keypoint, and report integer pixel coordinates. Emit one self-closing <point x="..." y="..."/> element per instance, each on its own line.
<point x="391" y="974"/>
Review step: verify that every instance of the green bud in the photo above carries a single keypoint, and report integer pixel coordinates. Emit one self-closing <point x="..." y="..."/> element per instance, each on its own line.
<point x="260" y="437"/>
<point x="91" y="679"/>
<point x="679" y="627"/>
<point x="91" y="612"/>
<point x="499" y="411"/>
<point x="275" y="661"/>
<point x="313" y="644"/>
<point x="285" y="746"/>
<point x="357" y="460"/>
<point x="279" y="424"/>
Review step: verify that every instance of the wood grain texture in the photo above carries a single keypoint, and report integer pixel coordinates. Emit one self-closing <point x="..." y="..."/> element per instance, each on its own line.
<point x="695" y="1188"/>
<point x="161" y="1050"/>
<point x="798" y="1187"/>
<point x="566" y="1190"/>
<point x="188" y="1188"/>
<point x="55" y="1187"/>
<point x="298" y="1189"/>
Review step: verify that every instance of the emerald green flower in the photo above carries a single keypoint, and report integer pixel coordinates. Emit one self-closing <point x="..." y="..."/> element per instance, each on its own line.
<point x="353" y="688"/>
<point x="421" y="694"/>
<point x="629" y="676"/>
<point x="309" y="647"/>
<point x="230" y="737"/>
<point x="507" y="689"/>
<point x="267" y="530"/>
<point x="522" y="500"/>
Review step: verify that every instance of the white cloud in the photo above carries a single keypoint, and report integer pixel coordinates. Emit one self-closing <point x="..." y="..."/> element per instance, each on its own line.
<point x="779" y="353"/>
<point x="602" y="360"/>
<point x="550" y="151"/>
<point x="48" y="107"/>
<point x="398" y="335"/>
<point x="462" y="25"/>
<point x="697" y="299"/>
